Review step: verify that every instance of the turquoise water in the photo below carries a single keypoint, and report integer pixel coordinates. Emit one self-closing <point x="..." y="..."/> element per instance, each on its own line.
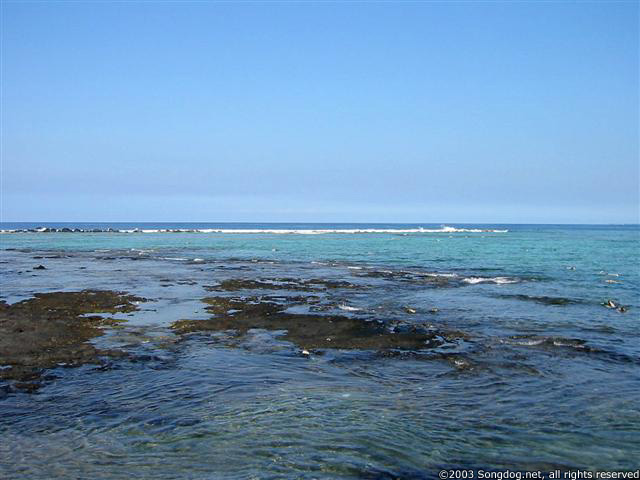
<point x="550" y="378"/>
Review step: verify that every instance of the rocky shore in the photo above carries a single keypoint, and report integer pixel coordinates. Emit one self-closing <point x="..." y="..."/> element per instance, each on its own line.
<point x="54" y="330"/>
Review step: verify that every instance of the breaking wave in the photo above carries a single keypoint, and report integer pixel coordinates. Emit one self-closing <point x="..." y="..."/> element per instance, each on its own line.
<point x="497" y="280"/>
<point x="272" y="231"/>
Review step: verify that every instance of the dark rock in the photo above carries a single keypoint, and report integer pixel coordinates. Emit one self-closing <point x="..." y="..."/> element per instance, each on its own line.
<point x="28" y="387"/>
<point x="416" y="278"/>
<point x="40" y="267"/>
<point x="540" y="299"/>
<point x="4" y="391"/>
<point x="232" y="285"/>
<point x="307" y="331"/>
<point x="53" y="329"/>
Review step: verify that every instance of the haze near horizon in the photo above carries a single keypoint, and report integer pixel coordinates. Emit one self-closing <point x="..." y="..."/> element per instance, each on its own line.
<point x="320" y="112"/>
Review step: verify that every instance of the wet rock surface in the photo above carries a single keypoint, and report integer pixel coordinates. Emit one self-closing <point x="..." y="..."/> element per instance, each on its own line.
<point x="570" y="346"/>
<point x="417" y="278"/>
<point x="53" y="329"/>
<point x="232" y="285"/>
<point x="314" y="331"/>
<point x="544" y="300"/>
<point x="307" y="330"/>
<point x="256" y="305"/>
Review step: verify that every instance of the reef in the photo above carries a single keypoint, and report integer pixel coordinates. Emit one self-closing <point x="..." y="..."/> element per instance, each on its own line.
<point x="308" y="331"/>
<point x="432" y="280"/>
<point x="53" y="330"/>
<point x="544" y="300"/>
<point x="311" y="285"/>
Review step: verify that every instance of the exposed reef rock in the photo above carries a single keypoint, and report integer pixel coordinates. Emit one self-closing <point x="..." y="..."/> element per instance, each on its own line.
<point x="232" y="285"/>
<point x="53" y="329"/>
<point x="306" y="330"/>
<point x="433" y="280"/>
<point x="263" y="305"/>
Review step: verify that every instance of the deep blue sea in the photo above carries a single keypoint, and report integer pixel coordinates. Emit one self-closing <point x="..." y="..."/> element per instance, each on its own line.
<point x="546" y="376"/>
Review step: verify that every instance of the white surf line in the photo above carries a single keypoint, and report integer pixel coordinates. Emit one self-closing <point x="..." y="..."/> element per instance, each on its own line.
<point x="271" y="231"/>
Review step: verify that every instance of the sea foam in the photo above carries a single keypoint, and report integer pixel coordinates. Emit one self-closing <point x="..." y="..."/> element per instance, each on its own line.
<point x="272" y="231"/>
<point x="498" y="280"/>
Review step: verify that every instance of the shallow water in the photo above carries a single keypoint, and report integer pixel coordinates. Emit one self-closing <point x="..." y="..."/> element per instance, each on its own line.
<point x="544" y="377"/>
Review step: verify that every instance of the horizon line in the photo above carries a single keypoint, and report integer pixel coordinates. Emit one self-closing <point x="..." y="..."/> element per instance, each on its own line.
<point x="318" y="223"/>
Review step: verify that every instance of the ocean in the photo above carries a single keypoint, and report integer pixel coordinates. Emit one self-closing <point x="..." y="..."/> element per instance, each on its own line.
<point x="318" y="350"/>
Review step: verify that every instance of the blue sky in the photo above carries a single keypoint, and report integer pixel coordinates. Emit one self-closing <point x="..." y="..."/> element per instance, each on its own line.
<point x="393" y="112"/>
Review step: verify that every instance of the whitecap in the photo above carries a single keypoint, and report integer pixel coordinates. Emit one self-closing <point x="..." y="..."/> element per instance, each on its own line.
<point x="497" y="280"/>
<point x="308" y="231"/>
<point x="347" y="308"/>
<point x="433" y="274"/>
<point x="529" y="342"/>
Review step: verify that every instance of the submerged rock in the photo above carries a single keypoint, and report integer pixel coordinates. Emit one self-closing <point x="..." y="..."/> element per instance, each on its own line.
<point x="544" y="300"/>
<point x="53" y="329"/>
<point x="308" y="331"/>
<point x="313" y="331"/>
<point x="236" y="284"/>
<point x="432" y="280"/>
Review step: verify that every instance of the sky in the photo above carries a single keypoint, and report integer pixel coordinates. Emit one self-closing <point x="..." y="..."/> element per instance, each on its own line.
<point x="497" y="112"/>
